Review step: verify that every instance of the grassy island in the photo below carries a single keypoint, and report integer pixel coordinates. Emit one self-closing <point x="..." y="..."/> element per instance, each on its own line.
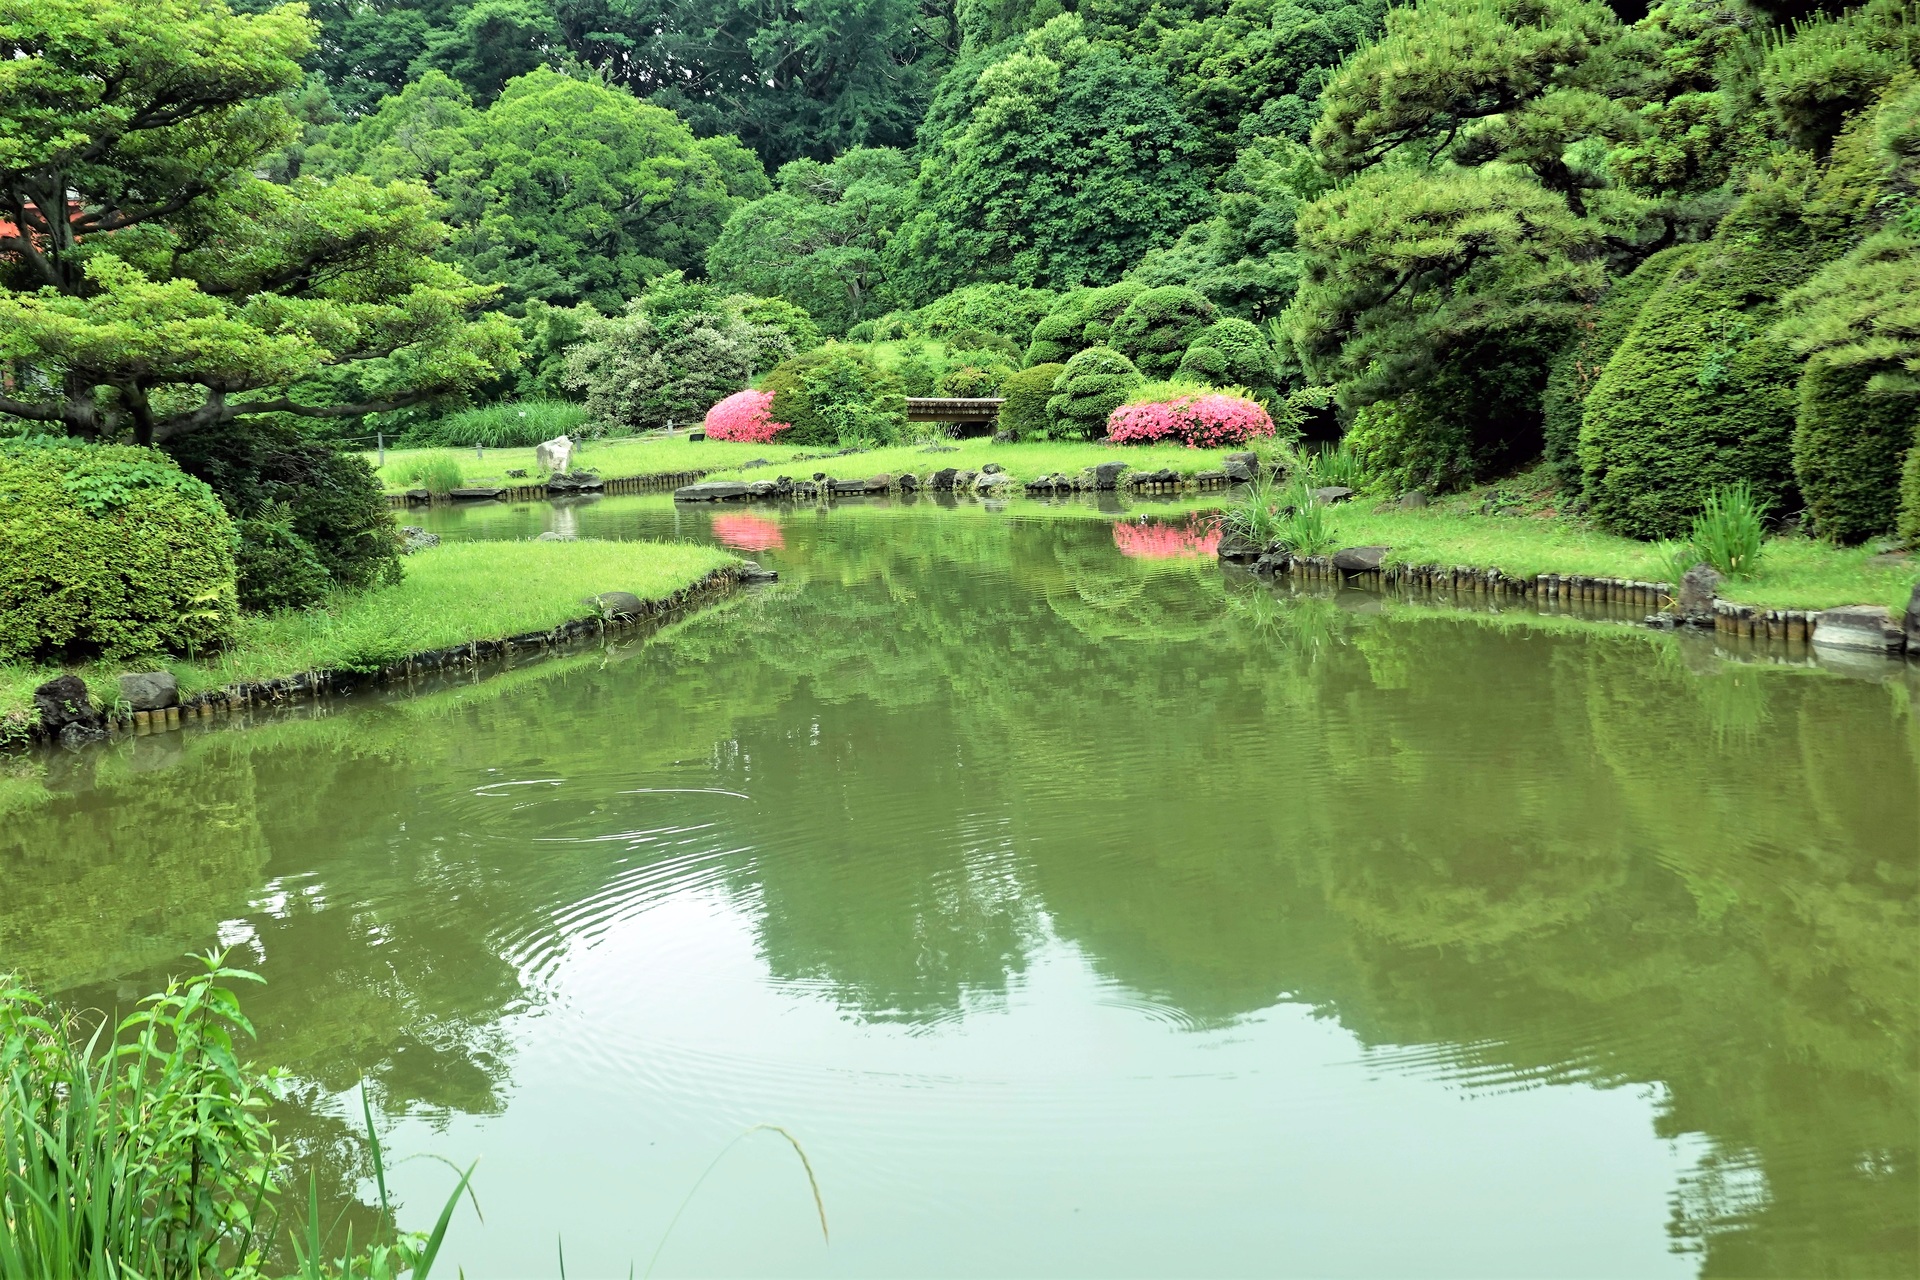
<point x="450" y="594"/>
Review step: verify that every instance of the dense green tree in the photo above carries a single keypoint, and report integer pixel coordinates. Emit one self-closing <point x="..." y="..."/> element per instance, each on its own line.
<point x="1404" y="268"/>
<point x="978" y="309"/>
<point x="817" y="240"/>
<point x="676" y="351"/>
<point x="837" y="395"/>
<point x="1071" y="161"/>
<point x="151" y="286"/>
<point x="1255" y="68"/>
<point x="1082" y="318"/>
<point x="570" y="191"/>
<point x="1243" y="258"/>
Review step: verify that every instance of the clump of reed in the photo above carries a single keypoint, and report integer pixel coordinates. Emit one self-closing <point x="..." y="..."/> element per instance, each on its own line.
<point x="142" y="1148"/>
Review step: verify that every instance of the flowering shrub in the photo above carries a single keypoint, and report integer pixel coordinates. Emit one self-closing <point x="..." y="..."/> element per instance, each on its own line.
<point x="1158" y="540"/>
<point x="1199" y="420"/>
<point x="749" y="533"/>
<point x="745" y="416"/>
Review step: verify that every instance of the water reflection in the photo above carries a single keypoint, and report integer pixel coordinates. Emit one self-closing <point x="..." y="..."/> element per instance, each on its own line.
<point x="947" y="751"/>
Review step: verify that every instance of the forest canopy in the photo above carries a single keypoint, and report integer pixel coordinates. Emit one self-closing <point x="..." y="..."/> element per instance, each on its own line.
<point x="1664" y="248"/>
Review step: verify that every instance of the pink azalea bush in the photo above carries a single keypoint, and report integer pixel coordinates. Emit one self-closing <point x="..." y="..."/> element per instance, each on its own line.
<point x="1199" y="420"/>
<point x="745" y="416"/>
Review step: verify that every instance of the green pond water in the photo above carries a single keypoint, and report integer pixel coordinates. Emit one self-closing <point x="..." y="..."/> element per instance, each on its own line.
<point x="1081" y="906"/>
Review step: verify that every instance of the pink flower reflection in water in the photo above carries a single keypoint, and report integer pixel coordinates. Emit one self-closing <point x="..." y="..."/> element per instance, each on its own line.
<point x="1158" y="540"/>
<point x="749" y="533"/>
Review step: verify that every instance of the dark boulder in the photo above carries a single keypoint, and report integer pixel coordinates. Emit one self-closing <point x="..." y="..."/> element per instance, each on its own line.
<point x="751" y="571"/>
<point x="1237" y="471"/>
<point x="66" y="709"/>
<point x="1107" y="475"/>
<point x="1698" y="587"/>
<point x="1235" y="547"/>
<point x="942" y="479"/>
<point x="991" y="468"/>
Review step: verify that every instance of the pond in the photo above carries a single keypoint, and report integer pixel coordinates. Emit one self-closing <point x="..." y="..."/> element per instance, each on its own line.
<point x="1080" y="907"/>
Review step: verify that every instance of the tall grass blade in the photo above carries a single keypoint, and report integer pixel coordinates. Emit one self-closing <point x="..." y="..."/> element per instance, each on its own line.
<point x="819" y="1202"/>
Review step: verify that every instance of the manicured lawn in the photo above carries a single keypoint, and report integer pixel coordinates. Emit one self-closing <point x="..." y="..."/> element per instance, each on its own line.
<point x="645" y="455"/>
<point x="451" y="594"/>
<point x="1794" y="573"/>
<point x="1021" y="461"/>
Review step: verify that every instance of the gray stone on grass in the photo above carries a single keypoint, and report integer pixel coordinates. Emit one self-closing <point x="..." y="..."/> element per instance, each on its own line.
<point x="1359" y="559"/>
<point x="1332" y="493"/>
<point x="1412" y="500"/>
<point x="413" y="538"/>
<point x="617" y="604"/>
<point x="1107" y="475"/>
<point x="712" y="491"/>
<point x="991" y="468"/>
<point x="1237" y="471"/>
<point x="149" y="690"/>
<point x="1868" y="627"/>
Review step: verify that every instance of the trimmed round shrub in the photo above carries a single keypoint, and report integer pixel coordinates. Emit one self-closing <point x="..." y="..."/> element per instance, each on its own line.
<point x="1003" y="309"/>
<point x="276" y="569"/>
<point x="1230" y="351"/>
<point x="110" y="551"/>
<point x="1848" y="448"/>
<point x="332" y="500"/>
<point x="1025" y="395"/>
<point x="1158" y="326"/>
<point x="1699" y="396"/>
<point x="1082" y="319"/>
<point x="836" y="395"/>
<point x="642" y="373"/>
<point x="745" y="416"/>
<point x="975" y="373"/>
<point x="1091" y="386"/>
<point x="1198" y="419"/>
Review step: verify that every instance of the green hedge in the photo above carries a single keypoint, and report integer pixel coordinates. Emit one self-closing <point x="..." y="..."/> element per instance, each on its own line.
<point x="1159" y="325"/>
<point x="836" y="395"/>
<point x="1089" y="388"/>
<point x="109" y="551"/>
<point x="1026" y="393"/>
<point x="1698" y="395"/>
<point x="1848" y="447"/>
<point x="1909" y="527"/>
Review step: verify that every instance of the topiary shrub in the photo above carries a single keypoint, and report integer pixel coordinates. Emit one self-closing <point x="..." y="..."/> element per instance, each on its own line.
<point x="332" y="500"/>
<point x="1233" y="352"/>
<point x="644" y="370"/>
<point x="1699" y="396"/>
<point x="970" y="381"/>
<point x="1577" y="365"/>
<point x="1088" y="389"/>
<point x="275" y="567"/>
<point x="1023" y="411"/>
<point x="1158" y="326"/>
<point x="1848" y="448"/>
<point x="836" y="395"/>
<point x="110" y="551"/>
<point x="1083" y="318"/>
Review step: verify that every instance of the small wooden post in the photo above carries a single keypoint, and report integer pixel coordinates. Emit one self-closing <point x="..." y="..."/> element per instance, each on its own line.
<point x="380" y="443"/>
